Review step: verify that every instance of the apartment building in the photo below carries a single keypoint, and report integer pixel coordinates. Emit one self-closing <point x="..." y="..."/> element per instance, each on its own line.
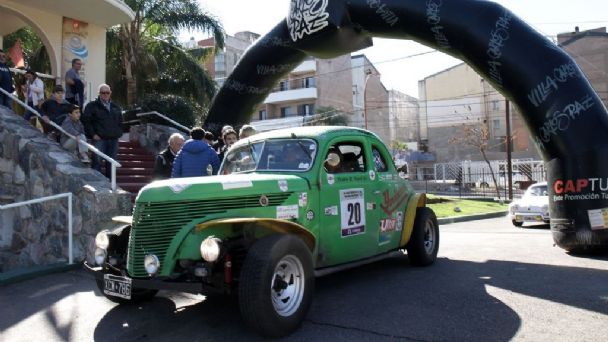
<point x="224" y="62"/>
<point x="458" y="96"/>
<point x="590" y="51"/>
<point x="351" y="85"/>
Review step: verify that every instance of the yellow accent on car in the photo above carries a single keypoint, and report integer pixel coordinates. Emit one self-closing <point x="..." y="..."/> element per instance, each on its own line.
<point x="416" y="201"/>
<point x="275" y="225"/>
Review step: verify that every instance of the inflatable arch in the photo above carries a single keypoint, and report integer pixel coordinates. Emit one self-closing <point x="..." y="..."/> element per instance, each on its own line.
<point x="563" y="113"/>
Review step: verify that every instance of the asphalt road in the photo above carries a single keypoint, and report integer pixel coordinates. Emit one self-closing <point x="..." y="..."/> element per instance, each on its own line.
<point x="491" y="282"/>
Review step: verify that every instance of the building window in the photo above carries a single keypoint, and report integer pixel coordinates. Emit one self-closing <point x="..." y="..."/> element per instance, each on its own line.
<point x="308" y="82"/>
<point x="220" y="63"/>
<point x="284" y="85"/>
<point x="495" y="105"/>
<point x="306" y="109"/>
<point x="287" y="112"/>
<point x="496" y="125"/>
<point x="263" y="114"/>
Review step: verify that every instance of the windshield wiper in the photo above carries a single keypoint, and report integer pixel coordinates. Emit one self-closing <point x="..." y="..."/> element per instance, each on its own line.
<point x="293" y="136"/>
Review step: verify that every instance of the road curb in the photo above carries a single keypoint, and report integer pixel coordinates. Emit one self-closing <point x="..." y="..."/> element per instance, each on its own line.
<point x="456" y="219"/>
<point x="15" y="276"/>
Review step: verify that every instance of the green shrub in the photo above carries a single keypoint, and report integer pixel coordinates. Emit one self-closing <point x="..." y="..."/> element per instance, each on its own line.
<point x="175" y="107"/>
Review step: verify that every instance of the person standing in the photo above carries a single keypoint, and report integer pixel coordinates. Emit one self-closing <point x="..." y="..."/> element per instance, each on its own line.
<point x="102" y="120"/>
<point x="6" y="82"/>
<point x="195" y="157"/>
<point x="163" y="164"/>
<point x="229" y="138"/>
<point x="74" y="87"/>
<point x="33" y="89"/>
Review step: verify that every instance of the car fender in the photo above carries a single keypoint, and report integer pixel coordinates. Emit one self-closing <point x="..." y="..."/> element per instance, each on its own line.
<point x="416" y="201"/>
<point x="271" y="224"/>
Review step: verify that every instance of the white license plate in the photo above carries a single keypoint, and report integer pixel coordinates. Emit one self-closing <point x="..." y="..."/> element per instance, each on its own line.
<point x="117" y="286"/>
<point x="529" y="218"/>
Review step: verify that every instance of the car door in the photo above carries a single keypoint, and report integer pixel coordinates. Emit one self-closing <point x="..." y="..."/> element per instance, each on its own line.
<point x="390" y="195"/>
<point x="346" y="204"/>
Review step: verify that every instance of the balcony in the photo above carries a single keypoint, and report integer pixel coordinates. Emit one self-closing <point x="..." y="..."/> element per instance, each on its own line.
<point x="300" y="94"/>
<point x="306" y="67"/>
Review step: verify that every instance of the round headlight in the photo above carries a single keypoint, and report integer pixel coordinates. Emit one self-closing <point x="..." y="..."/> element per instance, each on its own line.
<point x="151" y="264"/>
<point x="210" y="249"/>
<point x="100" y="256"/>
<point x="101" y="240"/>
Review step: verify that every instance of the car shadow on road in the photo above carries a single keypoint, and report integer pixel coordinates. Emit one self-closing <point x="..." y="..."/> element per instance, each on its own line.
<point x="382" y="301"/>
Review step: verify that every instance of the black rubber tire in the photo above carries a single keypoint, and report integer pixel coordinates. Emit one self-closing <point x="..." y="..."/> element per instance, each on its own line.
<point x="417" y="250"/>
<point x="257" y="279"/>
<point x="517" y="224"/>
<point x="137" y="295"/>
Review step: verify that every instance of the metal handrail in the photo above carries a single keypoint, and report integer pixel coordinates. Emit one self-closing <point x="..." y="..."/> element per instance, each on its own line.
<point x="49" y="198"/>
<point x="113" y="162"/>
<point x="183" y="128"/>
<point x="39" y="74"/>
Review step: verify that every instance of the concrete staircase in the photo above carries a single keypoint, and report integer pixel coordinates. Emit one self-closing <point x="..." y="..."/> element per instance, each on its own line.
<point x="137" y="167"/>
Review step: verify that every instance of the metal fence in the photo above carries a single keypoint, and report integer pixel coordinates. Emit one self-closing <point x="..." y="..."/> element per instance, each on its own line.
<point x="478" y="179"/>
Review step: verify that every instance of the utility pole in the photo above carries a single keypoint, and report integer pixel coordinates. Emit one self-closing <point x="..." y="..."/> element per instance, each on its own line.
<point x="509" y="166"/>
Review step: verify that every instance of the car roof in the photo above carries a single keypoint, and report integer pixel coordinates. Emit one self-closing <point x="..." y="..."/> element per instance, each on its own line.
<point x="539" y="184"/>
<point x="317" y="132"/>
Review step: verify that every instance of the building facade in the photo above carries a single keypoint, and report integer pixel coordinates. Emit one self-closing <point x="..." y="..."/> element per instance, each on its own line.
<point x="590" y="51"/>
<point x="68" y="29"/>
<point x="458" y="97"/>
<point x="224" y="61"/>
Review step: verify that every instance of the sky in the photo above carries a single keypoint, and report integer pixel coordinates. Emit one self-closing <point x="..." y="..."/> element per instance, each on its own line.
<point x="398" y="71"/>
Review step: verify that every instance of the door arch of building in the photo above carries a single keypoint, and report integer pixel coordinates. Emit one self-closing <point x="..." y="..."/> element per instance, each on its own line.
<point x="562" y="112"/>
<point x="40" y="32"/>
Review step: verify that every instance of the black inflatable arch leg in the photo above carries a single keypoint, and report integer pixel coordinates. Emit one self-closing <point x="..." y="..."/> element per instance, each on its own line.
<point x="562" y="112"/>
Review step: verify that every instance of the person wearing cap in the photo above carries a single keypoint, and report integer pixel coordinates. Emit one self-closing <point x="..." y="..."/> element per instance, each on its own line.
<point x="33" y="89"/>
<point x="6" y="82"/>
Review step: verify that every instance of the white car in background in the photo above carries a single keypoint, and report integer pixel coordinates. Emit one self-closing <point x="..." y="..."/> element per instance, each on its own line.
<point x="532" y="207"/>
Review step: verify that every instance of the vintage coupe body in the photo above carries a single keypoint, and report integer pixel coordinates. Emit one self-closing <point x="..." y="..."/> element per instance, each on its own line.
<point x="288" y="205"/>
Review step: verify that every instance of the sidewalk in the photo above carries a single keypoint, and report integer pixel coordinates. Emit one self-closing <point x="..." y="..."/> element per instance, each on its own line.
<point x="455" y="219"/>
<point x="18" y="275"/>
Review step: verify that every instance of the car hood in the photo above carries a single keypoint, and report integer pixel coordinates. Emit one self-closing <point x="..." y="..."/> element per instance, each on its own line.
<point x="224" y="186"/>
<point x="534" y="201"/>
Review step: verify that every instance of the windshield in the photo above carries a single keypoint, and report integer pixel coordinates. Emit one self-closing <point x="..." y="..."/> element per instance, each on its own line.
<point x="540" y="190"/>
<point x="271" y="155"/>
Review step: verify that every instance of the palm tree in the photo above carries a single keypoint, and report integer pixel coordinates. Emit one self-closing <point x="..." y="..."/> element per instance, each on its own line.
<point x="145" y="53"/>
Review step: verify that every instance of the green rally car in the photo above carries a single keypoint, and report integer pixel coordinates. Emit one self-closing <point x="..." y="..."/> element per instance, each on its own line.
<point x="287" y="206"/>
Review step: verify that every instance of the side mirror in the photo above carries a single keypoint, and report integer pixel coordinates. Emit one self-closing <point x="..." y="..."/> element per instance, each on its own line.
<point x="333" y="159"/>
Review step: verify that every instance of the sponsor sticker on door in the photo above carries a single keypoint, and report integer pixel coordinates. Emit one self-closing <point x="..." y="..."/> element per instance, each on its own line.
<point x="352" y="212"/>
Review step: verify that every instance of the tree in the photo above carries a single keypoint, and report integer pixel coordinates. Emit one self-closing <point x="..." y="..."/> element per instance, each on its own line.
<point x="478" y="136"/>
<point x="146" y="55"/>
<point x="34" y="52"/>
<point x="326" y="116"/>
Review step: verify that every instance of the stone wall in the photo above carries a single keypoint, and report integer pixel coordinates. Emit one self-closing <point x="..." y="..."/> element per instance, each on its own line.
<point x="32" y="166"/>
<point x="153" y="137"/>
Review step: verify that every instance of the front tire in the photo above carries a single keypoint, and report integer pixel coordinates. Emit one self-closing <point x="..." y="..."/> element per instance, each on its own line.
<point x="517" y="224"/>
<point x="276" y="285"/>
<point x="424" y="244"/>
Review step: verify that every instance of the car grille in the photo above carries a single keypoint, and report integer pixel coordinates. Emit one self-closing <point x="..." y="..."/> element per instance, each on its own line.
<point x="156" y="224"/>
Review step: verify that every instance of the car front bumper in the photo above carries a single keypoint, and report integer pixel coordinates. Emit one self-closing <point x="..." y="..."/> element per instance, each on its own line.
<point x="529" y="216"/>
<point x="153" y="283"/>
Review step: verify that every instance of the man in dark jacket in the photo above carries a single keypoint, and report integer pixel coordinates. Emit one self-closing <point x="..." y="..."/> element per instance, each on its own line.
<point x="102" y="120"/>
<point x="194" y="158"/>
<point x="163" y="164"/>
